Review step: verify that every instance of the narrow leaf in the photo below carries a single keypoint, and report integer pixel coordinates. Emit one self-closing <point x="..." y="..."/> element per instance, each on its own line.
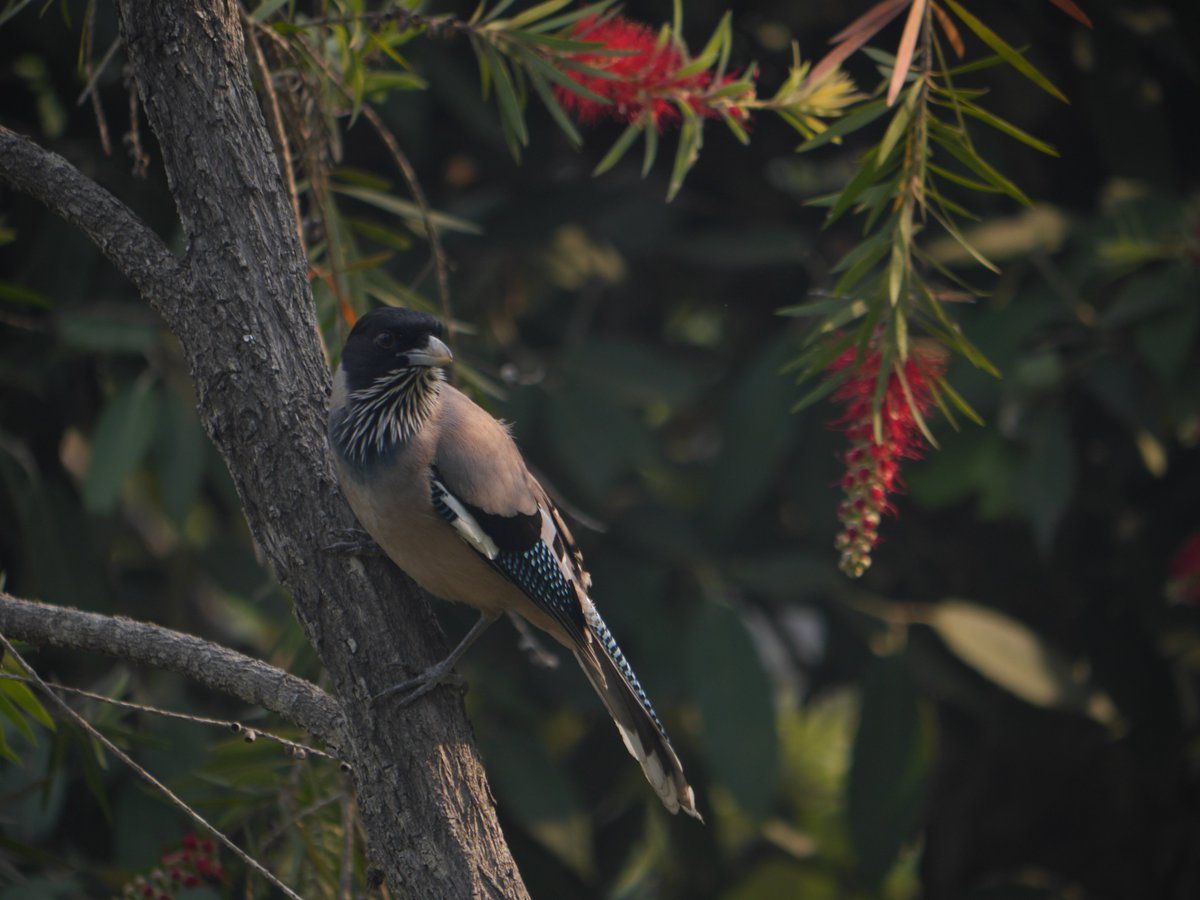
<point x="1008" y="128"/>
<point x="1011" y="56"/>
<point x="908" y="45"/>
<point x="1073" y="11"/>
<point x="690" y="140"/>
<point x="555" y="109"/>
<point x="618" y="149"/>
<point x="534" y="13"/>
<point x="864" y="115"/>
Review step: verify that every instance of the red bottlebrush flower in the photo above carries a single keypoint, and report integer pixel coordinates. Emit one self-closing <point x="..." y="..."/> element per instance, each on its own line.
<point x="644" y="76"/>
<point x="1183" y="586"/>
<point x="873" y="467"/>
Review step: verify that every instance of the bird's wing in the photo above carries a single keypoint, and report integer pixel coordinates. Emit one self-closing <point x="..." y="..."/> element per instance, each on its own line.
<point x="526" y="548"/>
<point x="480" y="486"/>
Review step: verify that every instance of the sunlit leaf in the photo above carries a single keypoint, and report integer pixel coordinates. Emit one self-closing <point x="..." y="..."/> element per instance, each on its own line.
<point x="1013" y="656"/>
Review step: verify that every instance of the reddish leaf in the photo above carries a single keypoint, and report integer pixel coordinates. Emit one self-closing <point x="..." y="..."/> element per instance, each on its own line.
<point x="855" y="35"/>
<point x="950" y="29"/>
<point x="908" y="45"/>
<point x="1069" y="7"/>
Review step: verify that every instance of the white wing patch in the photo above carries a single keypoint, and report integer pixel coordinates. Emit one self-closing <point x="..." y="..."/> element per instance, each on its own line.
<point x="464" y="523"/>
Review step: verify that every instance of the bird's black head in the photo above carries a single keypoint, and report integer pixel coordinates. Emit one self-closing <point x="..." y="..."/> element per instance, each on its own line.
<point x="392" y="340"/>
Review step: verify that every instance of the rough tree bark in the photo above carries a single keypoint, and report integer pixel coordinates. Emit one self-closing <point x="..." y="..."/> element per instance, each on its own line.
<point x="240" y="304"/>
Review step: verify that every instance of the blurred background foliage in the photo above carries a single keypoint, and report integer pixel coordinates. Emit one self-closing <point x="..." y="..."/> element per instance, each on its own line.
<point x="1005" y="706"/>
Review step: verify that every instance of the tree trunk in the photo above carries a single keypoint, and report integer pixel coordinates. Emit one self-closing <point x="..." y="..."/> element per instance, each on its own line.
<point x="241" y="307"/>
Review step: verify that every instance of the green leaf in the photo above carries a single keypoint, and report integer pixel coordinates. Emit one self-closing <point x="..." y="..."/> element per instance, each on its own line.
<point x="899" y="124"/>
<point x="534" y="13"/>
<point x="556" y="22"/>
<point x="8" y="710"/>
<point x="620" y="147"/>
<point x="691" y="137"/>
<point x="376" y="82"/>
<point x="546" y="93"/>
<point x="1007" y="53"/>
<point x="734" y="697"/>
<point x="885" y="791"/>
<point x="864" y="115"/>
<point x="537" y="65"/>
<point x="651" y="149"/>
<point x="396" y="240"/>
<point x="1013" y="656"/>
<point x="951" y="141"/>
<point x="266" y="9"/>
<point x="860" y="261"/>
<point x="5" y="750"/>
<point x="823" y="389"/>
<point x="21" y="695"/>
<point x="406" y="210"/>
<point x="16" y="293"/>
<point x="119" y="444"/>
<point x="512" y="115"/>
<point x="866" y="176"/>
<point x="1006" y="127"/>
<point x="496" y="12"/>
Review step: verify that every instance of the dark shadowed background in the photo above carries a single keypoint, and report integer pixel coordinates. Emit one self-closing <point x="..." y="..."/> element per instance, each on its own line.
<point x="1005" y="706"/>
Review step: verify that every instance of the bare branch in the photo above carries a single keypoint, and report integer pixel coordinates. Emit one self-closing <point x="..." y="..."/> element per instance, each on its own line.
<point x="127" y="242"/>
<point x="300" y="702"/>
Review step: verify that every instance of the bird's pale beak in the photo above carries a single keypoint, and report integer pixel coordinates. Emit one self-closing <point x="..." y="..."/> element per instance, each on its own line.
<point x="434" y="353"/>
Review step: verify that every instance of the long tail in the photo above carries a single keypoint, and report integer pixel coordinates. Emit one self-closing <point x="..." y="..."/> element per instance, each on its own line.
<point x="642" y="732"/>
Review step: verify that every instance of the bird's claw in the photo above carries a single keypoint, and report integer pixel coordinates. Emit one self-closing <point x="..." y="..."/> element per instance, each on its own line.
<point x="420" y="685"/>
<point x="355" y="542"/>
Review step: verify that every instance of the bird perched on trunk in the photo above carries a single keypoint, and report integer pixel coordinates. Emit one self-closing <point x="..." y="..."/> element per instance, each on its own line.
<point x="442" y="488"/>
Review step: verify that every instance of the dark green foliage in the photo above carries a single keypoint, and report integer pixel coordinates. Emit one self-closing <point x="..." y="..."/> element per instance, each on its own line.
<point x="998" y="709"/>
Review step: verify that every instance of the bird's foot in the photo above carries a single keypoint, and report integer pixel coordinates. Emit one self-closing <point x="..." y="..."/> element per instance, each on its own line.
<point x="422" y="684"/>
<point x="355" y="542"/>
<point x="533" y="648"/>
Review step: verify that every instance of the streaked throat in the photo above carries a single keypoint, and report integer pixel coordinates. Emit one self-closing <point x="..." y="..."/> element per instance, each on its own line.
<point x="387" y="413"/>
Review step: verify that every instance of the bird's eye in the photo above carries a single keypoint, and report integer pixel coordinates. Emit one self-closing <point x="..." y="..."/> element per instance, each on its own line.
<point x="385" y="340"/>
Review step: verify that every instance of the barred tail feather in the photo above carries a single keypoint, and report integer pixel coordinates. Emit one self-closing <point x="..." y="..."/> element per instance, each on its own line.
<point x="642" y="732"/>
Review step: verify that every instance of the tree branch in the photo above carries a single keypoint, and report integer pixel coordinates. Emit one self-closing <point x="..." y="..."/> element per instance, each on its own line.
<point x="252" y="680"/>
<point x="241" y="306"/>
<point x="129" y="244"/>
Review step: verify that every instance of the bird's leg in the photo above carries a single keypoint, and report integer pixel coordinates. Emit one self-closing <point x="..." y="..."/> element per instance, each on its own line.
<point x="440" y="672"/>
<point x="530" y="643"/>
<point x="355" y="542"/>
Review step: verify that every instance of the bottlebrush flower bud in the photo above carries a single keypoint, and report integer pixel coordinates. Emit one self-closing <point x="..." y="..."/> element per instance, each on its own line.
<point x="873" y="467"/>
<point x="643" y="78"/>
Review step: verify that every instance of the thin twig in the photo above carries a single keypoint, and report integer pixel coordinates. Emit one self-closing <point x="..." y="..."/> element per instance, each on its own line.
<point x="90" y="87"/>
<point x="280" y="133"/>
<point x="406" y="170"/>
<point x="89" y="37"/>
<point x="150" y="779"/>
<point x="295" y="747"/>
<point x="435" y="25"/>
<point x="414" y="186"/>
<point x="133" y="138"/>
